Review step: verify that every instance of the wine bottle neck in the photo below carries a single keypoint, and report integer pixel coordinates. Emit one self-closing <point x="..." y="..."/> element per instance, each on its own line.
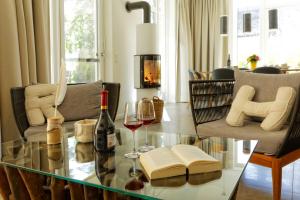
<point x="104" y="95"/>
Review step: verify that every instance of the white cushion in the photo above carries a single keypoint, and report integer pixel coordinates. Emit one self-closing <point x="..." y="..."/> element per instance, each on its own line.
<point x="39" y="103"/>
<point x="275" y="113"/>
<point x="236" y="116"/>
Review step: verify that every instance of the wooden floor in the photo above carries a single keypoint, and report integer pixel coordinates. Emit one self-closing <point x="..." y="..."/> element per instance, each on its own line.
<point x="256" y="182"/>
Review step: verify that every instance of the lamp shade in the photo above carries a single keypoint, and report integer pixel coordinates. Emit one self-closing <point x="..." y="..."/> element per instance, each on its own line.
<point x="147" y="39"/>
<point x="224" y="25"/>
<point x="273" y="19"/>
<point x="247" y="23"/>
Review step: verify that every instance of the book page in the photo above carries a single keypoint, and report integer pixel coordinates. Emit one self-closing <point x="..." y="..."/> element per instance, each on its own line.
<point x="195" y="159"/>
<point x="162" y="162"/>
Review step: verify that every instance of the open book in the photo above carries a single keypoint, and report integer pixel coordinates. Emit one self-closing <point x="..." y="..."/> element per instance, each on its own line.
<point x="164" y="162"/>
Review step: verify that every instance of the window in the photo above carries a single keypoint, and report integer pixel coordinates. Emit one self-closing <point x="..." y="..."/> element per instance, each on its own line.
<point x="275" y="47"/>
<point x="81" y="39"/>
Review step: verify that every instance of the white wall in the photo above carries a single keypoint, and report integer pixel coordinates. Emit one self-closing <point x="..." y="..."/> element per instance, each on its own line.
<point x="120" y="43"/>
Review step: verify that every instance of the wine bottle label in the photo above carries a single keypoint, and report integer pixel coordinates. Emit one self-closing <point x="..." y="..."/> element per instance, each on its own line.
<point x="111" y="140"/>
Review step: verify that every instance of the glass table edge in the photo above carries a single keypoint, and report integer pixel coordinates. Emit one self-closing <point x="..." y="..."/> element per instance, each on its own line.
<point x="125" y="192"/>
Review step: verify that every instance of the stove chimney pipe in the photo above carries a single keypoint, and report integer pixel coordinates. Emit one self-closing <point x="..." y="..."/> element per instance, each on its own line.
<point x="140" y="5"/>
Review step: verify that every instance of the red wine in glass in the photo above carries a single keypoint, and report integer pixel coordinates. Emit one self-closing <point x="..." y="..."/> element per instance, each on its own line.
<point x="132" y="122"/>
<point x="134" y="184"/>
<point x="148" y="121"/>
<point x="133" y="125"/>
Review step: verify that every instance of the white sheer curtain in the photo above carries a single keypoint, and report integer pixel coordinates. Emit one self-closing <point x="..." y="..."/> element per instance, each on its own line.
<point x="167" y="24"/>
<point x="199" y="45"/>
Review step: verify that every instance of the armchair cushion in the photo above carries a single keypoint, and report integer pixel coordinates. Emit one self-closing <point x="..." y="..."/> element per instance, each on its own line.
<point x="269" y="142"/>
<point x="265" y="85"/>
<point x="82" y="101"/>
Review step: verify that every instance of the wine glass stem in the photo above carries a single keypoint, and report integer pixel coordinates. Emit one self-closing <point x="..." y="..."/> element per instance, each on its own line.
<point x="134" y="168"/>
<point x="133" y="135"/>
<point x="146" y="127"/>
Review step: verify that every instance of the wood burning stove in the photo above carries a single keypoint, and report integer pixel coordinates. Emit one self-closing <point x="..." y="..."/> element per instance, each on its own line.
<point x="147" y="71"/>
<point x="147" y="61"/>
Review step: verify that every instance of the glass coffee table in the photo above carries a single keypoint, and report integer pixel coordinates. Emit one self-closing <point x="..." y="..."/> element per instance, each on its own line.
<point x="78" y="162"/>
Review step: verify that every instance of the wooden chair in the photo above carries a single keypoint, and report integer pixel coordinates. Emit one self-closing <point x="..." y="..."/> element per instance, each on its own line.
<point x="210" y="102"/>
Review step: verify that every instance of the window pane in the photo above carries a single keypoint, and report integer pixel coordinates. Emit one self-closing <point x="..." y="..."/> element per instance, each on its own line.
<point x="280" y="44"/>
<point x="81" y="72"/>
<point x="80" y="28"/>
<point x="248" y="43"/>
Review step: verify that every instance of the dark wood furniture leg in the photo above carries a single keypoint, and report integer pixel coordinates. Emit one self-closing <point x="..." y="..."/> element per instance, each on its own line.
<point x="76" y="191"/>
<point x="34" y="184"/>
<point x="276" y="178"/>
<point x="91" y="193"/>
<point x="16" y="184"/>
<point x="57" y="188"/>
<point x="108" y="195"/>
<point x="4" y="185"/>
<point x="276" y="165"/>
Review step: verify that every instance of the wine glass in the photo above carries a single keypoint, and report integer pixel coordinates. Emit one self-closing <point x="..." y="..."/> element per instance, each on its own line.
<point x="146" y="114"/>
<point x="132" y="122"/>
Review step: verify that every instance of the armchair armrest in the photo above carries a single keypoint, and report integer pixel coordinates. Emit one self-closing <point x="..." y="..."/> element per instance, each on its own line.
<point x="210" y="99"/>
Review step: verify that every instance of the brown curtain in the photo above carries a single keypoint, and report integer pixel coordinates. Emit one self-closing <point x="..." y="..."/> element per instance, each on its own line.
<point x="199" y="44"/>
<point x="24" y="53"/>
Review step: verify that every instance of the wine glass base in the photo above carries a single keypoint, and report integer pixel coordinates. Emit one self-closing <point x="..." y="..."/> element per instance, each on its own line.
<point x="132" y="155"/>
<point x="146" y="148"/>
<point x="135" y="173"/>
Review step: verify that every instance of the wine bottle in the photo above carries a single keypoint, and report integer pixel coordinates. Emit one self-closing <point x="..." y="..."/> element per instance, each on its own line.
<point x="228" y="61"/>
<point x="104" y="140"/>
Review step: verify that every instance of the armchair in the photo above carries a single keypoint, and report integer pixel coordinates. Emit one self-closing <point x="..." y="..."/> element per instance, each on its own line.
<point x="211" y="100"/>
<point x="18" y="103"/>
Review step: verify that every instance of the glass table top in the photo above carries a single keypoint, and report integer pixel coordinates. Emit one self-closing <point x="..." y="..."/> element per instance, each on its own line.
<point x="79" y="162"/>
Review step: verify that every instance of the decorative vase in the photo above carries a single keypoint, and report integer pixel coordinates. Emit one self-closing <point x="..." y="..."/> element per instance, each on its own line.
<point x="84" y="130"/>
<point x="54" y="130"/>
<point x="253" y="65"/>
